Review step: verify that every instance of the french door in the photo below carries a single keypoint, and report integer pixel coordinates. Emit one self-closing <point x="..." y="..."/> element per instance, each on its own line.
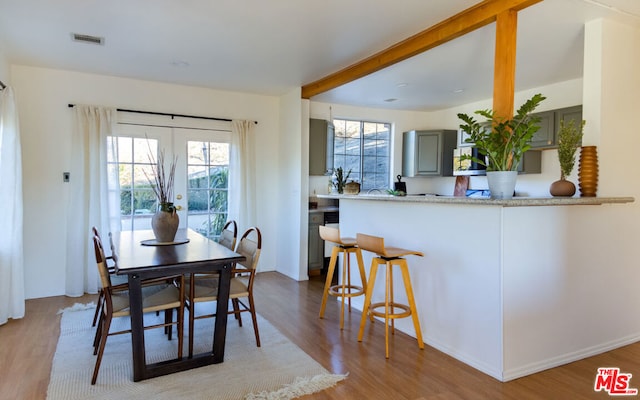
<point x="201" y="175"/>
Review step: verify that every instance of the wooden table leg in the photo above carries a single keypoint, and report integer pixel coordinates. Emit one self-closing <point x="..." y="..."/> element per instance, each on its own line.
<point x="137" y="328"/>
<point x="220" y="328"/>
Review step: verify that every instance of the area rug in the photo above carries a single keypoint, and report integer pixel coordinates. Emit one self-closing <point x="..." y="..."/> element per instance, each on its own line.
<point x="277" y="370"/>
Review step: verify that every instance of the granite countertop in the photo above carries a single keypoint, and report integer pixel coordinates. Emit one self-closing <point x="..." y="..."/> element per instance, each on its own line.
<point x="515" y="202"/>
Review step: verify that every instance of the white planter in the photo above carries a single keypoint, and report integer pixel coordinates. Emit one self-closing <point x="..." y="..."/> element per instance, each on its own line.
<point x="502" y="183"/>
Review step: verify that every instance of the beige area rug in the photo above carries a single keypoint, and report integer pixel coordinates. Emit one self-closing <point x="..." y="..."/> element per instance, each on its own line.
<point x="277" y="370"/>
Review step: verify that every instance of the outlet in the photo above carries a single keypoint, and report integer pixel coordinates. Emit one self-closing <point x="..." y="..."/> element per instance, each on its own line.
<point x="66" y="176"/>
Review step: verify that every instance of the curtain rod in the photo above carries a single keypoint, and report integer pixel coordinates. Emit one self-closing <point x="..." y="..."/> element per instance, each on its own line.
<point x="169" y="114"/>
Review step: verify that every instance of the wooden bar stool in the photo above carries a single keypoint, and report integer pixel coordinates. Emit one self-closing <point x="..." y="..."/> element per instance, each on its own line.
<point x="344" y="289"/>
<point x="389" y="256"/>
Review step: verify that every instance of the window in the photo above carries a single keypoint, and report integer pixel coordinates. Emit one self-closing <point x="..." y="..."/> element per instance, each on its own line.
<point x="364" y="148"/>
<point x="208" y="186"/>
<point x="201" y="179"/>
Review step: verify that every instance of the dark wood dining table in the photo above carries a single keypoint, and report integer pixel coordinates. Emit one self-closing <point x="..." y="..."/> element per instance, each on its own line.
<point x="198" y="255"/>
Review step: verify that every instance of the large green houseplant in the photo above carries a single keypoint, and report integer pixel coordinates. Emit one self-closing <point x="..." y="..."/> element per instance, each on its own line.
<point x="502" y="141"/>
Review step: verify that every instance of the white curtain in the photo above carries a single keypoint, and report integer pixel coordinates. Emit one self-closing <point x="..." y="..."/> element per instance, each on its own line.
<point x="88" y="195"/>
<point x="242" y="175"/>
<point x="11" y="241"/>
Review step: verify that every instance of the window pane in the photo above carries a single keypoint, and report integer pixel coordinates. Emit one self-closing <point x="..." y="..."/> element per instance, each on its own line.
<point x="197" y="153"/>
<point x="197" y="177"/>
<point x="197" y="200"/>
<point x="145" y="150"/>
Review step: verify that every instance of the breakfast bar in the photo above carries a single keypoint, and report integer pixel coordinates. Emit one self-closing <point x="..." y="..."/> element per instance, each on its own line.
<point x="509" y="287"/>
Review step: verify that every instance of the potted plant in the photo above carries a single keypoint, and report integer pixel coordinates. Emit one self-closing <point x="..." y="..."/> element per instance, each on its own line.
<point x="165" y="221"/>
<point x="502" y="142"/>
<point x="341" y="179"/>
<point x="569" y="139"/>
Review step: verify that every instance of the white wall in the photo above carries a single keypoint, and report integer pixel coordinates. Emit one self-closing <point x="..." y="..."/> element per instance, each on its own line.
<point x="45" y="120"/>
<point x="292" y="170"/>
<point x="5" y="73"/>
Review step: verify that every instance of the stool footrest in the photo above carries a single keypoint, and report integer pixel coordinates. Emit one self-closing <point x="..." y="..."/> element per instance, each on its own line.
<point x="406" y="311"/>
<point x="351" y="291"/>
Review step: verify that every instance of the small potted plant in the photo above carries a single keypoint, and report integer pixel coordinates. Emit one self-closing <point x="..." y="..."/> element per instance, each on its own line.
<point x="341" y="179"/>
<point x="569" y="139"/>
<point x="502" y="142"/>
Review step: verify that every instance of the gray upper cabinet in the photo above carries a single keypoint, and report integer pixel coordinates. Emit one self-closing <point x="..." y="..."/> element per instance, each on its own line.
<point x="428" y="153"/>
<point x="547" y="135"/>
<point x="321" y="134"/>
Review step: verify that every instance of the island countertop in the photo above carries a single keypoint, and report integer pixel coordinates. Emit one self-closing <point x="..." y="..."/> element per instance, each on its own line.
<point x="514" y="202"/>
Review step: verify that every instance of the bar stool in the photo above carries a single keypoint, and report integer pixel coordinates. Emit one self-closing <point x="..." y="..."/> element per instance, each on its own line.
<point x="345" y="289"/>
<point x="389" y="256"/>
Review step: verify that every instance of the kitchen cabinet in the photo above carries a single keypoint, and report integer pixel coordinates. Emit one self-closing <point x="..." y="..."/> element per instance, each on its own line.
<point x="428" y="152"/>
<point x="321" y="134"/>
<point x="547" y="135"/>
<point x="531" y="162"/>
<point x="316" y="244"/>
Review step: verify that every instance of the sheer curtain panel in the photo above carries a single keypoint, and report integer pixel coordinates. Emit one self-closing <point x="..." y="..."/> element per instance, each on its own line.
<point x="11" y="245"/>
<point x="88" y="195"/>
<point x="242" y="180"/>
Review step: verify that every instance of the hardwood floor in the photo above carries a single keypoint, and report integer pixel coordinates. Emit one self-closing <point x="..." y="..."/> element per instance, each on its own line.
<point x="27" y="347"/>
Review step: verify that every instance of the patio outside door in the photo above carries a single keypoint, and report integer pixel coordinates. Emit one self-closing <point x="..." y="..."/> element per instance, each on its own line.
<point x="201" y="179"/>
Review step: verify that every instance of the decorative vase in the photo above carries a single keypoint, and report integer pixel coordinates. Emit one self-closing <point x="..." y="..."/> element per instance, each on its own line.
<point x="165" y="223"/>
<point x="562" y="188"/>
<point x="588" y="171"/>
<point x="502" y="184"/>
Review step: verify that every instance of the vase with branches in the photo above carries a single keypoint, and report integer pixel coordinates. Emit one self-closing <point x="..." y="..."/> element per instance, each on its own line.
<point x="569" y="139"/>
<point x="165" y="221"/>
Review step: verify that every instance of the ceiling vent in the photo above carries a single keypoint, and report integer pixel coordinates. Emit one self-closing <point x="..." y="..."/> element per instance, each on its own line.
<point x="78" y="37"/>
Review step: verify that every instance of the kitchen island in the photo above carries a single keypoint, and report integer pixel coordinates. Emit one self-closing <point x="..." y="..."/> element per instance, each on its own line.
<point x="510" y="287"/>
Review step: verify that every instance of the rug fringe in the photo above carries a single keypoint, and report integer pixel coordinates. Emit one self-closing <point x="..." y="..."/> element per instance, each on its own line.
<point x="300" y="387"/>
<point x="77" y="307"/>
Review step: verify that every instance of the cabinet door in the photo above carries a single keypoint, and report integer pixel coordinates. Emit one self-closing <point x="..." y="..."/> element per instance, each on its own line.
<point x="319" y="146"/>
<point x="429" y="146"/>
<point x="545" y="137"/>
<point x="316" y="244"/>
<point x="569" y="113"/>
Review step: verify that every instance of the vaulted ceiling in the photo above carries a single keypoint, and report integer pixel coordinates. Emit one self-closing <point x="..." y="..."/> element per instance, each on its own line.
<point x="272" y="47"/>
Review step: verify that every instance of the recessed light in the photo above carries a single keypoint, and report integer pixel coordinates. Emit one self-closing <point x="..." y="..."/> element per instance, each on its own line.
<point x="401" y="85"/>
<point x="457" y="91"/>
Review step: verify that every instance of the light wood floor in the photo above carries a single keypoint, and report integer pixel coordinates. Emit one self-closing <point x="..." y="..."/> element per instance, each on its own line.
<point x="27" y="347"/>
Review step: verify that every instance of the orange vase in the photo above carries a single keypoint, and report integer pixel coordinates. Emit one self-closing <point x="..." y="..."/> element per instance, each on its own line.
<point x="588" y="172"/>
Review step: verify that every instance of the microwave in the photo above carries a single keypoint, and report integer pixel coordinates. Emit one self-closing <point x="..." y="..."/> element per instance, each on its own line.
<point x="467" y="167"/>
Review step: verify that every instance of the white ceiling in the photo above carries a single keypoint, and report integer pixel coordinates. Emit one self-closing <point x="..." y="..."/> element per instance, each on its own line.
<point x="271" y="47"/>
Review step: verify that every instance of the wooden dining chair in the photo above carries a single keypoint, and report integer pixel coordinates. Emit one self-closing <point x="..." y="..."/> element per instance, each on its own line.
<point x="160" y="297"/>
<point x="229" y="235"/>
<point x="243" y="276"/>
<point x="118" y="282"/>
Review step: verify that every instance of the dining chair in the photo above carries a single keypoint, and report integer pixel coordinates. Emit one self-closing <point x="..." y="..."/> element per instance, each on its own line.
<point x="227" y="238"/>
<point x="160" y="297"/>
<point x="118" y="282"/>
<point x="243" y="276"/>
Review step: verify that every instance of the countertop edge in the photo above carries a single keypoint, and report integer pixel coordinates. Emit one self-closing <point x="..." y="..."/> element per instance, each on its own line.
<point x="515" y="202"/>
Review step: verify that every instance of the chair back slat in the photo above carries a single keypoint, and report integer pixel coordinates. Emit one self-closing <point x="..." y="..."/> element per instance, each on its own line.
<point x="370" y="243"/>
<point x="330" y="234"/>
<point x="250" y="246"/>
<point x="101" y="262"/>
<point x="229" y="234"/>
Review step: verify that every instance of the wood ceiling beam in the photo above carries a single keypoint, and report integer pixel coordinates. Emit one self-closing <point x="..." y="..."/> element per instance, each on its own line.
<point x="464" y="22"/>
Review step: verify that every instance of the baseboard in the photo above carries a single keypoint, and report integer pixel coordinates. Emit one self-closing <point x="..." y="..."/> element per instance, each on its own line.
<point x="553" y="362"/>
<point x="470" y="361"/>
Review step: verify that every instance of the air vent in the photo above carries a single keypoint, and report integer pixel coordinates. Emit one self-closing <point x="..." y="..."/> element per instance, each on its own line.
<point x="78" y="37"/>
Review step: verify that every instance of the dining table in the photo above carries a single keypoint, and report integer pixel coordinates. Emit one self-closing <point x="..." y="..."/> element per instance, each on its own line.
<point x="139" y="257"/>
